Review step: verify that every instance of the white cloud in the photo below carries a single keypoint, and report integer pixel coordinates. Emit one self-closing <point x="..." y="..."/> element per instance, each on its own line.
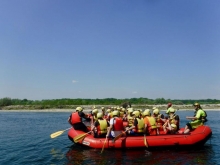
<point x="74" y="81"/>
<point x="134" y="92"/>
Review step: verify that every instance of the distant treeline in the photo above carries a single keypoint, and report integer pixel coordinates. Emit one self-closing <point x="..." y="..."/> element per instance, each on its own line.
<point x="106" y="101"/>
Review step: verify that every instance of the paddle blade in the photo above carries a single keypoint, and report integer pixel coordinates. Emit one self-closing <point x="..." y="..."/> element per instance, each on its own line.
<point x="80" y="137"/>
<point x="58" y="133"/>
<point x="145" y="141"/>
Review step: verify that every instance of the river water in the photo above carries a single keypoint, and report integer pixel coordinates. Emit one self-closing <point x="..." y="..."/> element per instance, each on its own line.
<point x="25" y="140"/>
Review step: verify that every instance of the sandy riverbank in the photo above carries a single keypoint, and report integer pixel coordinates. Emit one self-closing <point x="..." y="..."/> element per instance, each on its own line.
<point x="88" y="108"/>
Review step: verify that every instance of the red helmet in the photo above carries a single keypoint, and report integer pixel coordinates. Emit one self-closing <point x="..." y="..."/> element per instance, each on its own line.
<point x="169" y="104"/>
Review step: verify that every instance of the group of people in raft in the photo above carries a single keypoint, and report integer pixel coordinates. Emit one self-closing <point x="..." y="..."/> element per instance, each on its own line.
<point x="117" y="120"/>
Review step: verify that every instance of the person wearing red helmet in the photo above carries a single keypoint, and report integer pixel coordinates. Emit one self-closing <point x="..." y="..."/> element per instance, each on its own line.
<point x="169" y="106"/>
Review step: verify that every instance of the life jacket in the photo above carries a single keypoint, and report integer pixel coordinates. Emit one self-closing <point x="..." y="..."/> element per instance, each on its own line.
<point x="118" y="124"/>
<point x="172" y="121"/>
<point x="75" y="118"/>
<point x="102" y="128"/>
<point x="203" y="117"/>
<point x="130" y="120"/>
<point x="152" y="121"/>
<point x="140" y="126"/>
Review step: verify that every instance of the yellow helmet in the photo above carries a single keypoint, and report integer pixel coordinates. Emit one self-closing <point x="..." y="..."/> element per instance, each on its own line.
<point x="136" y="113"/>
<point x="123" y="109"/>
<point x="115" y="113"/>
<point x="146" y="112"/>
<point x="108" y="110"/>
<point x="130" y="110"/>
<point x="196" y="104"/>
<point x="154" y="108"/>
<point x="99" y="115"/>
<point x="103" y="108"/>
<point x="173" y="126"/>
<point x="79" y="109"/>
<point x="95" y="111"/>
<point x="156" y="111"/>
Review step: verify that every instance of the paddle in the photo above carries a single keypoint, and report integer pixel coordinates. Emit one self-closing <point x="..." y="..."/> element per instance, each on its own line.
<point x="117" y="137"/>
<point x="104" y="145"/>
<point x="145" y="141"/>
<point x="79" y="137"/>
<point x="58" y="133"/>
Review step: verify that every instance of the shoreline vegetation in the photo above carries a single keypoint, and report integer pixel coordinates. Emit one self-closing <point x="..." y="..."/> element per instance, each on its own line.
<point x="67" y="104"/>
<point x="87" y="108"/>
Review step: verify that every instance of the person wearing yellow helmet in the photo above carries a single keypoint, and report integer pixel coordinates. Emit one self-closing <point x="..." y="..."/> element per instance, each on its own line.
<point x="100" y="126"/>
<point x="159" y="119"/>
<point x="198" y="119"/>
<point x="130" y="118"/>
<point x="170" y="128"/>
<point x="75" y="119"/>
<point x="150" y="125"/>
<point x="173" y="118"/>
<point x="94" y="116"/>
<point x="116" y="125"/>
<point x="171" y="125"/>
<point x="138" y="125"/>
<point x="103" y="110"/>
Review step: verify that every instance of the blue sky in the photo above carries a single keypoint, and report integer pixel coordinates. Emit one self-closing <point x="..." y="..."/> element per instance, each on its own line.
<point x="52" y="49"/>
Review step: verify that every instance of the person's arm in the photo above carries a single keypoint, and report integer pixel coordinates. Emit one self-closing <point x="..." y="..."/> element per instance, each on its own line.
<point x="69" y="120"/>
<point x="192" y="118"/>
<point x="110" y="127"/>
<point x="109" y="130"/>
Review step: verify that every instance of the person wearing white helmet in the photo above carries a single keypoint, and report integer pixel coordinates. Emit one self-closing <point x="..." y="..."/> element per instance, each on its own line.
<point x="75" y="119"/>
<point x="100" y="126"/>
<point x="116" y="125"/>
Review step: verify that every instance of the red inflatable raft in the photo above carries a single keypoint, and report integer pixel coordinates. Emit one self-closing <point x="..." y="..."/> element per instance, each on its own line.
<point x="197" y="137"/>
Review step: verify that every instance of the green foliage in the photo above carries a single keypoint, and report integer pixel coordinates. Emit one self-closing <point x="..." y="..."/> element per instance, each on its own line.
<point x="5" y="101"/>
<point x="66" y="102"/>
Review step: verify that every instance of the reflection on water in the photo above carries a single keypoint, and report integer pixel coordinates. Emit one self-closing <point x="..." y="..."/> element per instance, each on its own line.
<point x="78" y="155"/>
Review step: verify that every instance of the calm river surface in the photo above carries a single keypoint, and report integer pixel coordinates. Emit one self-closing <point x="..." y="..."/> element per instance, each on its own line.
<point x="25" y="140"/>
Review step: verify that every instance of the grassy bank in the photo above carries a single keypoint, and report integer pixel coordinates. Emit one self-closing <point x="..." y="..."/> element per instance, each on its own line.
<point x="89" y="107"/>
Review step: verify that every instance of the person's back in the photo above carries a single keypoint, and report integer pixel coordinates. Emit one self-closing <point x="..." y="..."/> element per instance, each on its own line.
<point x="101" y="126"/>
<point x="116" y="125"/>
<point x="150" y="123"/>
<point x="138" y="125"/>
<point x="75" y="120"/>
